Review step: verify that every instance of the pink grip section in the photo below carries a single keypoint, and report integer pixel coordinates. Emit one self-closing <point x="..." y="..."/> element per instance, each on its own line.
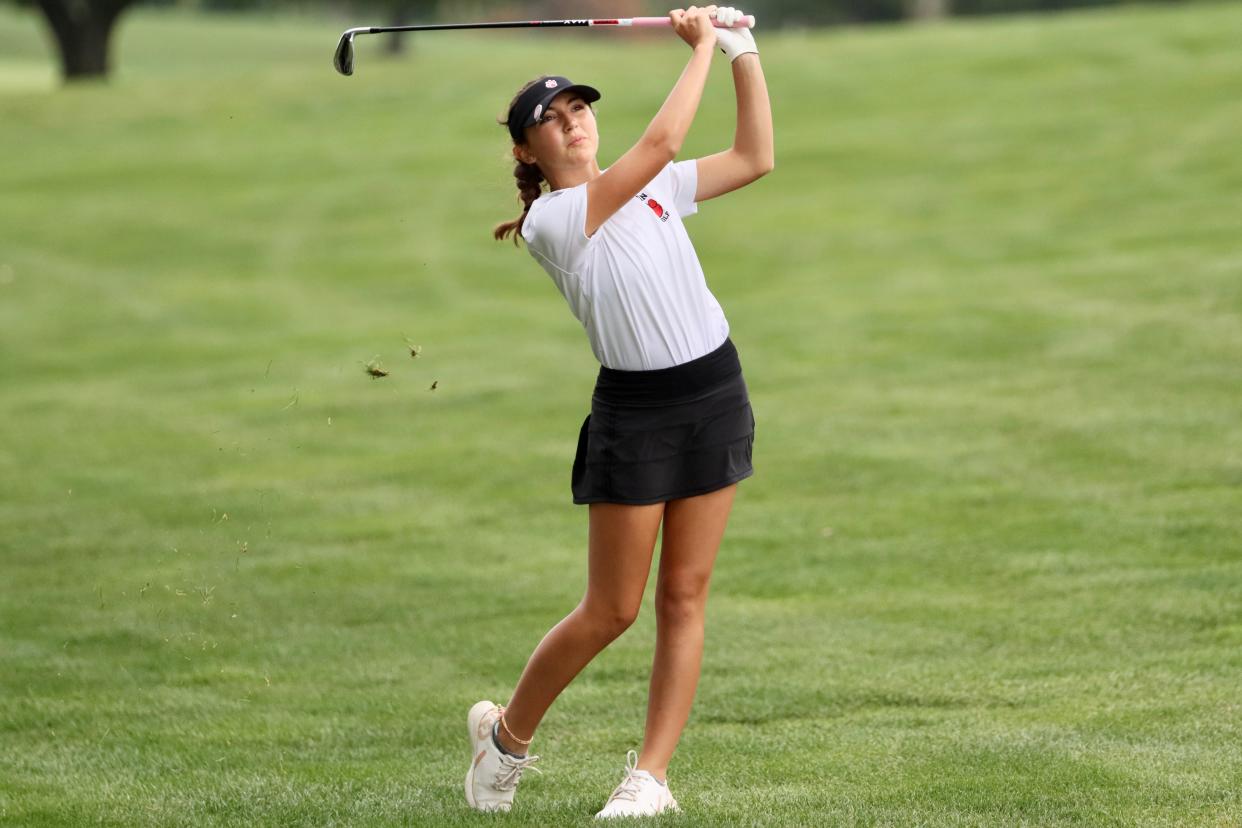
<point x="746" y="21"/>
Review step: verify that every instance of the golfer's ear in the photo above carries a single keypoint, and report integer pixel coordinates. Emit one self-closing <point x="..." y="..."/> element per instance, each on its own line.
<point x="522" y="153"/>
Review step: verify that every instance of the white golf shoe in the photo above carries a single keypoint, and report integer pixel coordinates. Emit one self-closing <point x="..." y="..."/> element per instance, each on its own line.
<point x="493" y="775"/>
<point x="639" y="794"/>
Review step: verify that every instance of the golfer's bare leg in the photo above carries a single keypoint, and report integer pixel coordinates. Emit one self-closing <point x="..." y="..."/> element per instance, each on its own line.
<point x="693" y="529"/>
<point x="622" y="541"/>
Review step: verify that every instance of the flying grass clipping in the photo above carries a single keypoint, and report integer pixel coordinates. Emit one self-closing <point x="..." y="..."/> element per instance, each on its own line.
<point x="376" y="370"/>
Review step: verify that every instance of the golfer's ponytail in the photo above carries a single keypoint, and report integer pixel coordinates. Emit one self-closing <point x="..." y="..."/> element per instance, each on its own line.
<point x="529" y="179"/>
<point x="528" y="176"/>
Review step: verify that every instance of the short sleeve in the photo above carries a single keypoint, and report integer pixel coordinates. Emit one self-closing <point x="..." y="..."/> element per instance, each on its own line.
<point x="555" y="228"/>
<point x="682" y="177"/>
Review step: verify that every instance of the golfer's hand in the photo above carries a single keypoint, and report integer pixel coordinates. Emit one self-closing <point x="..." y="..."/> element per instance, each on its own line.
<point x="733" y="42"/>
<point x="694" y="25"/>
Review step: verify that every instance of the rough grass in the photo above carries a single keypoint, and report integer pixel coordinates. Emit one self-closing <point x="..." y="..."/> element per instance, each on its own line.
<point x="990" y="308"/>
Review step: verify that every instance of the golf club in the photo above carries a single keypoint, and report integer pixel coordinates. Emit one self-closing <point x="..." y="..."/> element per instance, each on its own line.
<point x="344" y="58"/>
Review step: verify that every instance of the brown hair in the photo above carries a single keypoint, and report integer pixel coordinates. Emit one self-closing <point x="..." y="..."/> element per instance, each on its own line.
<point x="529" y="178"/>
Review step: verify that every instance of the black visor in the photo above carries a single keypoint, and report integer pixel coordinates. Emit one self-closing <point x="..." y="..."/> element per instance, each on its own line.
<point x="531" y="103"/>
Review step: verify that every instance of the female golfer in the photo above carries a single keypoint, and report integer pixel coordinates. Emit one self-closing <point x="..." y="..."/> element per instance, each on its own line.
<point x="670" y="430"/>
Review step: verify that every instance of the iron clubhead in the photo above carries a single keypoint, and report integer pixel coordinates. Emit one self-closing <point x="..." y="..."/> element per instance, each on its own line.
<point x="343" y="60"/>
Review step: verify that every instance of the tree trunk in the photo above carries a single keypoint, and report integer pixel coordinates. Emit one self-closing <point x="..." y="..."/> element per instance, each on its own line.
<point x="401" y="13"/>
<point x="83" y="31"/>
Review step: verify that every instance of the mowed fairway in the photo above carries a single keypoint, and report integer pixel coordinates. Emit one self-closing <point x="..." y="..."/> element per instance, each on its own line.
<point x="988" y="573"/>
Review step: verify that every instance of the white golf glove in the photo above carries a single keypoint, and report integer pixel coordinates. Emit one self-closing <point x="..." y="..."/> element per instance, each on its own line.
<point x="733" y="42"/>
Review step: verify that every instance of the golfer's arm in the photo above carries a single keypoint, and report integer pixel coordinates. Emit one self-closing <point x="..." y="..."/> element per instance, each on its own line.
<point x="660" y="144"/>
<point x="752" y="155"/>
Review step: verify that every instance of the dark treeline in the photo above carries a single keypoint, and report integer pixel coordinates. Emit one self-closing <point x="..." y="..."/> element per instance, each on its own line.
<point x="772" y="12"/>
<point x="82" y="29"/>
<point x="835" y="12"/>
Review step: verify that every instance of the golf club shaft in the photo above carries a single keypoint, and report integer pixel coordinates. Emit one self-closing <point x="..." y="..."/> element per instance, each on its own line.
<point x="343" y="60"/>
<point x="746" y="21"/>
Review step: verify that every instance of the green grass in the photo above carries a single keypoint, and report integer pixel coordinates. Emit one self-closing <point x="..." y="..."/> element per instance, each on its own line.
<point x="989" y="572"/>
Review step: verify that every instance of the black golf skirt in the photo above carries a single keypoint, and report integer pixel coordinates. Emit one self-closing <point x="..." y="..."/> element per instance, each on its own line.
<point x="660" y="435"/>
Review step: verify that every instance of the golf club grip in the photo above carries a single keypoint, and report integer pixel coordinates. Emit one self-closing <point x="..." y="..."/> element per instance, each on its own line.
<point x="746" y="21"/>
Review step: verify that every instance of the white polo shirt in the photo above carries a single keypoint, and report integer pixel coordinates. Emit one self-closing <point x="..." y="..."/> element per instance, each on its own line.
<point x="636" y="285"/>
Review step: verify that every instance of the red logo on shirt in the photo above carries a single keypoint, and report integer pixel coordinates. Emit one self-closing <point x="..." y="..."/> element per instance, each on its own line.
<point x="655" y="206"/>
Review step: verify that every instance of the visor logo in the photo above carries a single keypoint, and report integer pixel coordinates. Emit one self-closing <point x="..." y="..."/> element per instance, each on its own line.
<point x="538" y="111"/>
<point x="550" y="83"/>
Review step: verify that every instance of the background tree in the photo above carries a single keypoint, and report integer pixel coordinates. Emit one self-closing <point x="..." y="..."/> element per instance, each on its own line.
<point x="406" y="13"/>
<point x="83" y="30"/>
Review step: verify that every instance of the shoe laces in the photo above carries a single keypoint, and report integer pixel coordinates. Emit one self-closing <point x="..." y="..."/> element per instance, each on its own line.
<point x="632" y="783"/>
<point x="511" y="768"/>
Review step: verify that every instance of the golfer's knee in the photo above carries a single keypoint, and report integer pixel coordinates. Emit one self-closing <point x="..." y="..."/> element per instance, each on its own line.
<point x="608" y="620"/>
<point x="681" y="602"/>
